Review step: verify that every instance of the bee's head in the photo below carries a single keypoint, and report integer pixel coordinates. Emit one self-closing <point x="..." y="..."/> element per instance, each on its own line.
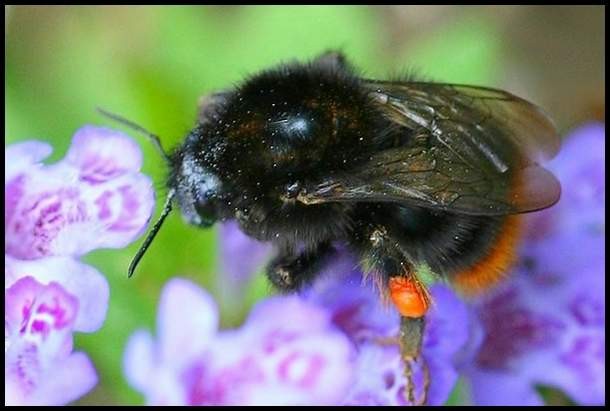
<point x="191" y="185"/>
<point x="198" y="190"/>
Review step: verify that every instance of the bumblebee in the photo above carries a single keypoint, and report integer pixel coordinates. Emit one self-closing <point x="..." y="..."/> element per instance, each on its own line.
<point x="422" y="181"/>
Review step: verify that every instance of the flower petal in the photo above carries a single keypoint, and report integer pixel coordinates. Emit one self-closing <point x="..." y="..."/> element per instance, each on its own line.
<point x="101" y="154"/>
<point x="287" y="313"/>
<point x="38" y="314"/>
<point x="446" y="342"/>
<point x="265" y="362"/>
<point x="39" y="366"/>
<point x="80" y="280"/>
<point x="144" y="372"/>
<point x="576" y="362"/>
<point x="580" y="167"/>
<point x="241" y="256"/>
<point x="547" y="325"/>
<point x="582" y="160"/>
<point x="380" y="378"/>
<point x="306" y="361"/>
<point x="186" y="321"/>
<point x="313" y="369"/>
<point x="167" y="389"/>
<point x="139" y="360"/>
<point x="359" y="312"/>
<point x="355" y="306"/>
<point x="58" y="215"/>
<point x="69" y="380"/>
<point x="21" y="157"/>
<point x="120" y="209"/>
<point x="581" y="373"/>
<point x="498" y="388"/>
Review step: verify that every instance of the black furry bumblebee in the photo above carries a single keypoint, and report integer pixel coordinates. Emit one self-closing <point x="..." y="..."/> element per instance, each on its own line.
<point x="422" y="181"/>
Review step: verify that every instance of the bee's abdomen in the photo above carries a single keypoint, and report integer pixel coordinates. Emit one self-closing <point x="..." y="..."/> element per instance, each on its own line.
<point x="493" y="263"/>
<point x="473" y="252"/>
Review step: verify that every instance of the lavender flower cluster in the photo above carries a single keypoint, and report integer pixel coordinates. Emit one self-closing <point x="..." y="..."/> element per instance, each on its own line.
<point x="329" y="345"/>
<point x="94" y="198"/>
<point x="543" y="326"/>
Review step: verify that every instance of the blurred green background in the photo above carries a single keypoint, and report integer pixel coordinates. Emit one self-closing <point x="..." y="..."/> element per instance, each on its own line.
<point x="151" y="64"/>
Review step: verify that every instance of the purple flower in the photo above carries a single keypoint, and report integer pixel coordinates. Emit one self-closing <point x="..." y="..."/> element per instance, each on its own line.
<point x="287" y="352"/>
<point x="94" y="198"/>
<point x="379" y="372"/>
<point x="252" y="254"/>
<point x="240" y="258"/>
<point x="40" y="367"/>
<point x="358" y="312"/>
<point x="546" y="325"/>
<point x="75" y="278"/>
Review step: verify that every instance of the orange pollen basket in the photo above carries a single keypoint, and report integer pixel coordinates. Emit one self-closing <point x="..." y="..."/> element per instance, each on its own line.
<point x="408" y="297"/>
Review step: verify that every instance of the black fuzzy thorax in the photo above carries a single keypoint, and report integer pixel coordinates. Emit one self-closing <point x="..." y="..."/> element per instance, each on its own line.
<point x="295" y="123"/>
<point x="304" y="122"/>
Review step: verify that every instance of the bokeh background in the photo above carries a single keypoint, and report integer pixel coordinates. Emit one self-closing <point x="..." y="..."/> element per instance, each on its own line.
<point x="151" y="64"/>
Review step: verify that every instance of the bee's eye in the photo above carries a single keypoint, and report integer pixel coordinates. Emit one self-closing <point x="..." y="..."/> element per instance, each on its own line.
<point x="206" y="209"/>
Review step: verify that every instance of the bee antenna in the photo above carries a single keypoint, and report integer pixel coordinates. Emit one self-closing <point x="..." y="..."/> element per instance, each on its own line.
<point x="152" y="137"/>
<point x="151" y="235"/>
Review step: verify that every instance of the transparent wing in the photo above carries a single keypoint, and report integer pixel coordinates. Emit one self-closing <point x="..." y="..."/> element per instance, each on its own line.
<point x="472" y="150"/>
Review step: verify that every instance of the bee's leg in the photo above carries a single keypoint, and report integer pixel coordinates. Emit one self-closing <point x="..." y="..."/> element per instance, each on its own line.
<point x="290" y="271"/>
<point x="411" y="335"/>
<point x="409" y="342"/>
<point x="426" y="372"/>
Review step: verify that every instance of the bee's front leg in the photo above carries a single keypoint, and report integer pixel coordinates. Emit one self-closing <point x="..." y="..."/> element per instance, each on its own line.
<point x="291" y="271"/>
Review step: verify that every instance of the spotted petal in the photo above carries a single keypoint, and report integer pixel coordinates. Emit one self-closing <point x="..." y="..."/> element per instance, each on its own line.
<point x="102" y="154"/>
<point x="80" y="203"/>
<point x="295" y="356"/>
<point x="39" y="366"/>
<point x="85" y="283"/>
